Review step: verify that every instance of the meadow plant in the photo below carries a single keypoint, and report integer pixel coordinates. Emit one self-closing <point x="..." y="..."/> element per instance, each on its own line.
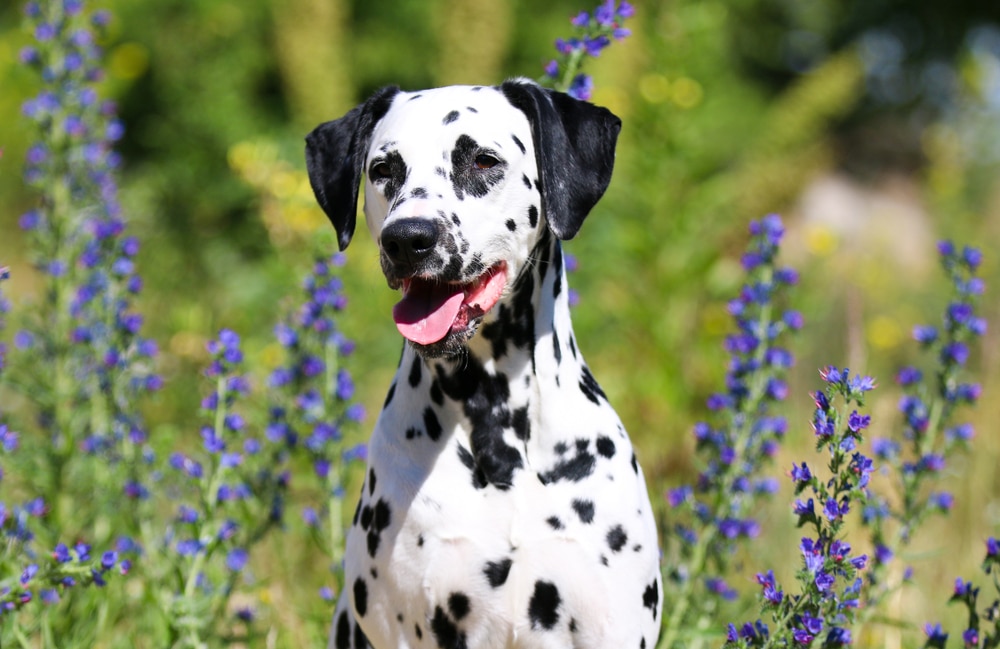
<point x="708" y="520"/>
<point x="594" y="31"/>
<point x="839" y="591"/>
<point x="80" y="472"/>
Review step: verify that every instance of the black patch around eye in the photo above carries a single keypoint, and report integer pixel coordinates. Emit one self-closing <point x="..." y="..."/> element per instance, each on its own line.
<point x="394" y="178"/>
<point x="450" y="117"/>
<point x="465" y="177"/>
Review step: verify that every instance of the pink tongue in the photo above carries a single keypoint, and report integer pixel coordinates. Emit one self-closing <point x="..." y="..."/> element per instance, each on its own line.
<point x="427" y="311"/>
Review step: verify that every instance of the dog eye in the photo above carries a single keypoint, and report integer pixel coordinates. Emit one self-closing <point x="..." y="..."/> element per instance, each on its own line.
<point x="379" y="171"/>
<point x="485" y="161"/>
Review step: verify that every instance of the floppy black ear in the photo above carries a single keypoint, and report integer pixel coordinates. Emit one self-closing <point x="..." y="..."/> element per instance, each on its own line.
<point x="574" y="148"/>
<point x="335" y="155"/>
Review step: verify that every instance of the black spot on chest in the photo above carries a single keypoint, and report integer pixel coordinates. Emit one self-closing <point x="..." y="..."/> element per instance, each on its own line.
<point x="360" y="597"/>
<point x="617" y="538"/>
<point x="605" y="447"/>
<point x="375" y="521"/>
<point x="590" y="388"/>
<point x="584" y="509"/>
<point x="515" y="321"/>
<point x="496" y="572"/>
<point x="446" y="632"/>
<point x="484" y="398"/>
<point x="574" y="468"/>
<point x="651" y="597"/>
<point x="416" y="372"/>
<point x="450" y="117"/>
<point x="458" y="605"/>
<point x="543" y="608"/>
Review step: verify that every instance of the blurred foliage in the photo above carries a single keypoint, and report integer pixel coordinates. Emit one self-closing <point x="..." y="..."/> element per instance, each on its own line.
<point x="871" y="124"/>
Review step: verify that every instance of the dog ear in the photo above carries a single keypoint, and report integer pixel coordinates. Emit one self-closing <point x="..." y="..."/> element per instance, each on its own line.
<point x="574" y="148"/>
<point x="335" y="155"/>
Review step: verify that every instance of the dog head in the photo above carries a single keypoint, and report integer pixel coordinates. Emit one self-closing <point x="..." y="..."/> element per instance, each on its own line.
<point x="460" y="183"/>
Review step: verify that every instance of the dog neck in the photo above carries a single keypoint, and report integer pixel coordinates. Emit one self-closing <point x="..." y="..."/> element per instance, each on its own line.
<point x="525" y="353"/>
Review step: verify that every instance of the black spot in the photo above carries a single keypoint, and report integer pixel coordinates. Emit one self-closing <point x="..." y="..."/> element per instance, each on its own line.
<point x="518" y="142"/>
<point x="557" y="268"/>
<point x="466" y="178"/>
<point x="522" y="427"/>
<point x="445" y="631"/>
<point x="526" y="180"/>
<point x="450" y="117"/>
<point x="496" y="572"/>
<point x="418" y="192"/>
<point x="589" y="386"/>
<point x="637" y="547"/>
<point x="511" y="225"/>
<point x="457" y="221"/>
<point x="471" y="109"/>
<point x="605" y="447"/>
<point x="604" y="560"/>
<point x="584" y="509"/>
<point x="360" y="596"/>
<point x="642" y="644"/>
<point x="560" y="447"/>
<point x="572" y="625"/>
<point x="373" y="572"/>
<point x="543" y="606"/>
<point x="414" y="97"/>
<point x="651" y="597"/>
<point x="635" y="464"/>
<point x="415" y="372"/>
<point x="380" y="520"/>
<point x="436" y="395"/>
<point x="617" y="538"/>
<point x="432" y="425"/>
<point x="532" y="215"/>
<point x="418" y="631"/>
<point x="441" y="171"/>
<point x="357" y="513"/>
<point x="342" y="637"/>
<point x="390" y="395"/>
<point x="399" y="617"/>
<point x="366" y="517"/>
<point x="484" y="401"/>
<point x="556" y="347"/>
<point x="515" y="322"/>
<point x="465" y="457"/>
<point x="554" y="522"/>
<point x="420" y="540"/>
<point x="458" y="605"/>
<point x="412" y="432"/>
<point x="572" y="345"/>
<point x="574" y="469"/>
<point x="360" y="641"/>
<point x="371" y="482"/>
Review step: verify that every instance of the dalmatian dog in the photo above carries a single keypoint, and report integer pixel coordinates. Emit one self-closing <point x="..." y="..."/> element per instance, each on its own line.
<point x="503" y="506"/>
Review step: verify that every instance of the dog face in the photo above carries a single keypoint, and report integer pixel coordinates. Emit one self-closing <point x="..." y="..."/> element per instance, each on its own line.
<point x="460" y="182"/>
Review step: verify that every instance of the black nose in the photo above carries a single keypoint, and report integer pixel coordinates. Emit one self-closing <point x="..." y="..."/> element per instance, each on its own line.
<point x="407" y="242"/>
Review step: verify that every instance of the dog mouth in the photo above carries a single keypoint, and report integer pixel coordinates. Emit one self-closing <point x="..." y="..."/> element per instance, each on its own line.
<point x="430" y="310"/>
